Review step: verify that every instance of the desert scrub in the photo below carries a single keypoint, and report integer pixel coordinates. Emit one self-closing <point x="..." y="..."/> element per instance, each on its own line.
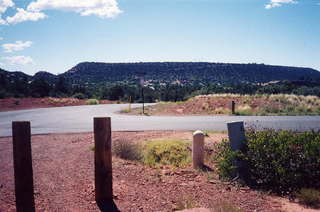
<point x="310" y="197"/>
<point x="128" y="150"/>
<point x="92" y="102"/>
<point x="167" y="152"/>
<point x="186" y="202"/>
<point x="282" y="161"/>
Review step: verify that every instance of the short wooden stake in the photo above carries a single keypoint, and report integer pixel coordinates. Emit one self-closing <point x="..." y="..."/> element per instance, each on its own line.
<point x="103" y="160"/>
<point x="197" y="149"/>
<point x="22" y="158"/>
<point x="233" y="107"/>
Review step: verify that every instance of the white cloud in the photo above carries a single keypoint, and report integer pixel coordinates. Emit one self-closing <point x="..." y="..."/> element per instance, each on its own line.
<point x="101" y="8"/>
<point x="18" y="60"/>
<point x="278" y="3"/>
<point x="24" y="15"/>
<point x="17" y="46"/>
<point x="4" y="5"/>
<point x="34" y="11"/>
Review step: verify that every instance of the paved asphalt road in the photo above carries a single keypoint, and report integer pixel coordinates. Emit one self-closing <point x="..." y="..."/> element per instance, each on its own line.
<point x="80" y="119"/>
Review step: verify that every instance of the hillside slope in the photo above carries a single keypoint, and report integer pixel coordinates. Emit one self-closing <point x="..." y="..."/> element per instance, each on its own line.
<point x="187" y="72"/>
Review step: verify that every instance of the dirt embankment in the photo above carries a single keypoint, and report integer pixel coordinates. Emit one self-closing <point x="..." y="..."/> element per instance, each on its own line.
<point x="10" y="104"/>
<point x="64" y="178"/>
<point x="220" y="104"/>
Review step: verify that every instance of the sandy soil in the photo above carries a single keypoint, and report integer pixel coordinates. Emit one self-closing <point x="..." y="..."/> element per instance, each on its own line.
<point x="10" y="104"/>
<point x="64" y="180"/>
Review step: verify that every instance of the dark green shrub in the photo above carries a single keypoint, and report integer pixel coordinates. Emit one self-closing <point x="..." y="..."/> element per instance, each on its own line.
<point x="167" y="152"/>
<point x="225" y="159"/>
<point x="282" y="161"/>
<point x="310" y="197"/>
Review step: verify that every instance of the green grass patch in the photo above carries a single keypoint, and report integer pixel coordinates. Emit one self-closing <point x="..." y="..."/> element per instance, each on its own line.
<point x="167" y="152"/>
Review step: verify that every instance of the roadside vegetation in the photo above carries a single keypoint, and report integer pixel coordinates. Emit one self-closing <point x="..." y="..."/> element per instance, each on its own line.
<point x="220" y="104"/>
<point x="165" y="152"/>
<point x="92" y="102"/>
<point x="284" y="162"/>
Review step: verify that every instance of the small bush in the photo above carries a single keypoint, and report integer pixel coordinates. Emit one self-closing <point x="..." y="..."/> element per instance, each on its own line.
<point x="310" y="197"/>
<point x="127" y="150"/>
<point x="167" y="152"/>
<point x="224" y="206"/>
<point x="282" y="161"/>
<point x="92" y="102"/>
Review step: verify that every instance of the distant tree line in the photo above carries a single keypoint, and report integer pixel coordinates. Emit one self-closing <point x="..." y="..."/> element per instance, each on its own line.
<point x="125" y="90"/>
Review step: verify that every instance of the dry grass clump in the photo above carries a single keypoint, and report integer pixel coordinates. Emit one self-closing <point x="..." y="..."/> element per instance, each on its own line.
<point x="223" y="206"/>
<point x="127" y="150"/>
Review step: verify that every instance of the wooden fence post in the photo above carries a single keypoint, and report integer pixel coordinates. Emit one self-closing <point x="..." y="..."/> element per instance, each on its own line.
<point x="233" y="107"/>
<point x="237" y="140"/>
<point x="103" y="160"/>
<point x="197" y="149"/>
<point x="22" y="158"/>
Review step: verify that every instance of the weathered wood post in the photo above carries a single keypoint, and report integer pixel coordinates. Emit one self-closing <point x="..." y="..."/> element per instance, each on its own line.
<point x="103" y="160"/>
<point x="197" y="149"/>
<point x="237" y="140"/>
<point x="233" y="107"/>
<point x="22" y="159"/>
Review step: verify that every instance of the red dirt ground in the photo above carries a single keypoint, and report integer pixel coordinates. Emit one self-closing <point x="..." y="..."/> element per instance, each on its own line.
<point x="64" y="180"/>
<point x="10" y="104"/>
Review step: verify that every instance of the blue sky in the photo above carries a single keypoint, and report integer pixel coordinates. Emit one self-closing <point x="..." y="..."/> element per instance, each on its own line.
<point x="55" y="35"/>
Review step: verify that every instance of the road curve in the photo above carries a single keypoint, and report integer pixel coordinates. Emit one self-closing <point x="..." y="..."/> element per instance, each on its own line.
<point x="80" y="119"/>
